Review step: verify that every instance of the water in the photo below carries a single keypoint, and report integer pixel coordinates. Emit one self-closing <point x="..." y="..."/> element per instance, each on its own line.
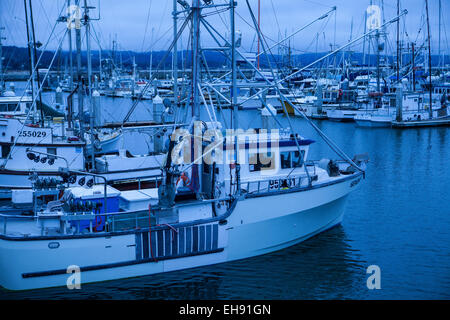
<point x="399" y="219"/>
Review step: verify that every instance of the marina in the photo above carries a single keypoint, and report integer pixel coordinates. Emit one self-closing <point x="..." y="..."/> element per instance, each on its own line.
<point x="159" y="185"/>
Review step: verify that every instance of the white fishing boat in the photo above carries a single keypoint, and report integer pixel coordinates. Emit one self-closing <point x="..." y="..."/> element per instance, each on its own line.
<point x="20" y="138"/>
<point x="150" y="231"/>
<point x="414" y="107"/>
<point x="220" y="191"/>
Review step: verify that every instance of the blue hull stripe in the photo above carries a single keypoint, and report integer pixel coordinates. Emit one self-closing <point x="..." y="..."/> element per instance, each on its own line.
<point x="195" y="239"/>
<point x="215" y="243"/>
<point x="208" y="237"/>
<point x="181" y="236"/>
<point x="202" y="239"/>
<point x="145" y="244"/>
<point x="176" y="242"/>
<point x="160" y="243"/>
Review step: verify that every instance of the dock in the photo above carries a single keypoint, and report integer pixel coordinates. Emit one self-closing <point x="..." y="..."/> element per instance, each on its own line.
<point x="421" y="123"/>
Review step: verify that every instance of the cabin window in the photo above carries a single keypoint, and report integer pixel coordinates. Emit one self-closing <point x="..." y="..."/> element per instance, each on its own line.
<point x="5" y="107"/>
<point x="51" y="151"/>
<point x="292" y="159"/>
<point x="5" y="151"/>
<point x="297" y="160"/>
<point x="261" y="161"/>
<point x="285" y="160"/>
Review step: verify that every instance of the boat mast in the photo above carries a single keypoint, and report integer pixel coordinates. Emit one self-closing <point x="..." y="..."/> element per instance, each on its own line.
<point x="439" y="48"/>
<point x="2" y="79"/>
<point x="259" y="19"/>
<point x="151" y="59"/>
<point x="175" y="53"/>
<point x="79" y="76"/>
<point x="69" y="31"/>
<point x="233" y="92"/>
<point x="89" y="76"/>
<point x="33" y="85"/>
<point x="364" y="39"/>
<point x="398" y="40"/>
<point x="195" y="57"/>
<point x="413" y="66"/>
<point x="35" y="59"/>
<point x="429" y="60"/>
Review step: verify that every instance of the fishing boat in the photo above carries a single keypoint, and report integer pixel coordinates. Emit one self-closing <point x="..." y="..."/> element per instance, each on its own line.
<point x="220" y="191"/>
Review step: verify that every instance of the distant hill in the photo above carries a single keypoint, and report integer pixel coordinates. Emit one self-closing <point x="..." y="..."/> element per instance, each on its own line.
<point x="16" y="58"/>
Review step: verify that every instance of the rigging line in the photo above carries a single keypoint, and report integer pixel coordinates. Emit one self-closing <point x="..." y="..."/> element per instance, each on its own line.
<point x="264" y="44"/>
<point x="144" y="90"/>
<point x="276" y="18"/>
<point x="34" y="101"/>
<point x="37" y="63"/>
<point x="146" y="24"/>
<point x="159" y="39"/>
<point x="333" y="52"/>
<point x="162" y="17"/>
<point x="318" y="3"/>
<point x="252" y="27"/>
<point x="46" y="16"/>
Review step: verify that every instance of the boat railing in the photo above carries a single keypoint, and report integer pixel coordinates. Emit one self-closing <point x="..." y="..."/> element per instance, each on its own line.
<point x="107" y="222"/>
<point x="279" y="183"/>
<point x="80" y="222"/>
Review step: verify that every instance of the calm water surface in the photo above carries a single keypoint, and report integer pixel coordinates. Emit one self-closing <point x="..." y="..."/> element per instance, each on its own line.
<point x="399" y="219"/>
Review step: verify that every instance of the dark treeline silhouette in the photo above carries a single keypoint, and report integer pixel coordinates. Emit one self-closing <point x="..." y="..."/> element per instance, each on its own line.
<point x="16" y="58"/>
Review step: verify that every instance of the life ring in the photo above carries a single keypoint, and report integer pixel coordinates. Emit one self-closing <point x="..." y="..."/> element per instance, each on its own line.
<point x="183" y="178"/>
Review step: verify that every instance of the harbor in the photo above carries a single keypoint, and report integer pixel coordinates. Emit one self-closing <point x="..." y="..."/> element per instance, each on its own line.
<point x="123" y="179"/>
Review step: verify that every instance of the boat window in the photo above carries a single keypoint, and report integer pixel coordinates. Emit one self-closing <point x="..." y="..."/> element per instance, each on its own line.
<point x="261" y="161"/>
<point x="5" y="151"/>
<point x="292" y="159"/>
<point x="285" y="160"/>
<point x="51" y="151"/>
<point x="4" y="107"/>
<point x="297" y="160"/>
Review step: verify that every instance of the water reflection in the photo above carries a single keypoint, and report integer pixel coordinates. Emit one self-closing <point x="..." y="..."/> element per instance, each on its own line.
<point x="398" y="219"/>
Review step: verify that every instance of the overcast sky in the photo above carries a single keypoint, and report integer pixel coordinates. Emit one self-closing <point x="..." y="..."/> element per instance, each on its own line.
<point x="136" y="22"/>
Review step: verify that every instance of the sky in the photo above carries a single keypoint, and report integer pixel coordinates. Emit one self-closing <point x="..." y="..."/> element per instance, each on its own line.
<point x="143" y="25"/>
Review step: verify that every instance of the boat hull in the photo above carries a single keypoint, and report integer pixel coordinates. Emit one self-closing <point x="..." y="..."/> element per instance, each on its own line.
<point x="287" y="218"/>
<point x="373" y="124"/>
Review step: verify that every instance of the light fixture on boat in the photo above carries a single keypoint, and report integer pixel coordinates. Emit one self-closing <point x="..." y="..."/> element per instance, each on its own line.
<point x="72" y="179"/>
<point x="37" y="159"/>
<point x="51" y="161"/>
<point x="44" y="159"/>
<point x="90" y="183"/>
<point x="82" y="181"/>
<point x="31" y="155"/>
